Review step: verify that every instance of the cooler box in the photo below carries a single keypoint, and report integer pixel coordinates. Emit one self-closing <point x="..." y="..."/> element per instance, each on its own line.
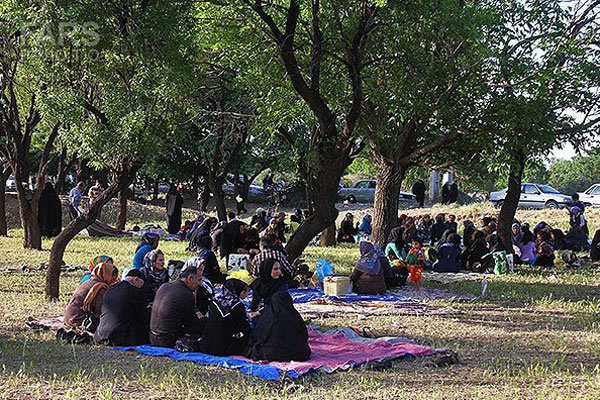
<point x="336" y="285"/>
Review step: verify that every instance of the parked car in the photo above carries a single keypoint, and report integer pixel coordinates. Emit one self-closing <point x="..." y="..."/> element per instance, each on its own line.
<point x="363" y="191"/>
<point x="11" y="185"/>
<point x="256" y="193"/>
<point x="591" y="197"/>
<point x="535" y="195"/>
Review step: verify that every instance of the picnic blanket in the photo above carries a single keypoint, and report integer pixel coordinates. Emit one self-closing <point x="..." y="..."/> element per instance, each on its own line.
<point x="331" y="351"/>
<point x="452" y="277"/>
<point x="327" y="308"/>
<point x="308" y="295"/>
<point x="100" y="229"/>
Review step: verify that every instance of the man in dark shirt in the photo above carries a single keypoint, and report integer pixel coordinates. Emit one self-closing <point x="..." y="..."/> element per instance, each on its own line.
<point x="174" y="310"/>
<point x="125" y="314"/>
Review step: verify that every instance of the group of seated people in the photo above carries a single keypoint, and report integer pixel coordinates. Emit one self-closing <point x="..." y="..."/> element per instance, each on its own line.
<point x="191" y="313"/>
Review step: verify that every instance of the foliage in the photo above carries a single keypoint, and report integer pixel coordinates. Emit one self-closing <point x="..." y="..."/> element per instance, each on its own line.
<point x="575" y="175"/>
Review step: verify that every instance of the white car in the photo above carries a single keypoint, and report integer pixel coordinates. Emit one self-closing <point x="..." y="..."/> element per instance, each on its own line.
<point x="591" y="197"/>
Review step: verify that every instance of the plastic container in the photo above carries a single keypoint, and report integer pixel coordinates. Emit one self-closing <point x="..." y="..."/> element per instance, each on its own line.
<point x="336" y="285"/>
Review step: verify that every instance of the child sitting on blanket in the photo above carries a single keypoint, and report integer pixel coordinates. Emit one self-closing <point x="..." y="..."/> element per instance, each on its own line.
<point x="416" y="262"/>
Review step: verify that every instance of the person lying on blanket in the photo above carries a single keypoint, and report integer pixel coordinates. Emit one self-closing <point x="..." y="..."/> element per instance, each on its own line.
<point x="174" y="310"/>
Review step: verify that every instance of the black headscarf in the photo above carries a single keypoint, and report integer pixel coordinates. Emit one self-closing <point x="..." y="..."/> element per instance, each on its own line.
<point x="280" y="334"/>
<point x="396" y="237"/>
<point x="265" y="285"/>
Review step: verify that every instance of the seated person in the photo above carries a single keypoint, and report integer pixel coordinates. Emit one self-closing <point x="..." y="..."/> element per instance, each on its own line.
<point x="347" y="230"/>
<point x="259" y="220"/>
<point x="269" y="250"/>
<point x="149" y="242"/>
<point x="595" y="249"/>
<point x="473" y="257"/>
<point x="202" y="248"/>
<point x="206" y="291"/>
<point x="468" y="231"/>
<point x="88" y="296"/>
<point x="437" y="229"/>
<point x="233" y="238"/>
<point x="280" y="334"/>
<point x="449" y="255"/>
<point x="424" y="228"/>
<point x="410" y="230"/>
<point x="125" y="318"/>
<point x="528" y="247"/>
<point x="545" y="251"/>
<point x="365" y="227"/>
<point x="451" y="223"/>
<point x="269" y="282"/>
<point x="227" y="330"/>
<point x="154" y="273"/>
<point x="395" y="246"/>
<point x="576" y="239"/>
<point x="516" y="233"/>
<point x="93" y="263"/>
<point x="174" y="310"/>
<point x="371" y="270"/>
<point x="559" y="240"/>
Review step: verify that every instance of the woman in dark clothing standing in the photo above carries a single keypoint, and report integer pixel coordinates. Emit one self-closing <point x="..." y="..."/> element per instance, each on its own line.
<point x="227" y="330"/>
<point x="267" y="284"/>
<point x="280" y="334"/>
<point x="50" y="212"/>
<point x="174" y="205"/>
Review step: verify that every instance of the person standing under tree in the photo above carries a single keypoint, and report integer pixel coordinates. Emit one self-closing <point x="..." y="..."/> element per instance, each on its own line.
<point x="75" y="200"/>
<point x="174" y="206"/>
<point x="418" y="190"/>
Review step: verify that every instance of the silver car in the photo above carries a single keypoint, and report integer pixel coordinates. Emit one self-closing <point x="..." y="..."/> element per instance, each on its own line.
<point x="591" y="197"/>
<point x="363" y="191"/>
<point x="535" y="195"/>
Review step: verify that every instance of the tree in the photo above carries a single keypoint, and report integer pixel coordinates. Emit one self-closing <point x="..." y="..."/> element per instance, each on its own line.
<point x="122" y="87"/>
<point x="545" y="62"/>
<point x="20" y="119"/>
<point x="319" y="51"/>
<point x="424" y="91"/>
<point x="5" y="174"/>
<point x="576" y="175"/>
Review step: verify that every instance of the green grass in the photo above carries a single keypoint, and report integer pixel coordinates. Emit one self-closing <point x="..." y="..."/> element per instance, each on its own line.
<point x="532" y="337"/>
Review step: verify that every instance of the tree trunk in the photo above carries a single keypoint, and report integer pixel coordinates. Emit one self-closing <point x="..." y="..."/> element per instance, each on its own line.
<point x="510" y="204"/>
<point x="216" y="188"/>
<point x="62" y="171"/>
<point x="3" y="179"/>
<point x="52" y="289"/>
<point x="328" y="236"/>
<point x="122" y="211"/>
<point x="204" y="195"/>
<point x="385" y="208"/>
<point x="155" y="190"/>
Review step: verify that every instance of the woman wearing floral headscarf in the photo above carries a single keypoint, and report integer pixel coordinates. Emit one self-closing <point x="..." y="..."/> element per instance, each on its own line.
<point x="154" y="272"/>
<point x="96" y="261"/>
<point x="371" y="270"/>
<point x="88" y="296"/>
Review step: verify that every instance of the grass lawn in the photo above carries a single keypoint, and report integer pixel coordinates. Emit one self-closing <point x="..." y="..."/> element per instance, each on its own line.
<point x="534" y="336"/>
